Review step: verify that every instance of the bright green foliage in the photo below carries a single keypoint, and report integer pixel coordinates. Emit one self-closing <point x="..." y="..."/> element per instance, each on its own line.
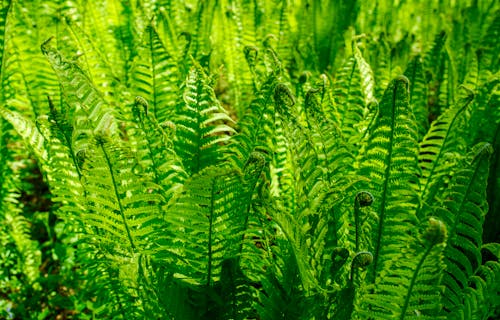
<point x="155" y="75"/>
<point x="463" y="210"/>
<point x="240" y="159"/>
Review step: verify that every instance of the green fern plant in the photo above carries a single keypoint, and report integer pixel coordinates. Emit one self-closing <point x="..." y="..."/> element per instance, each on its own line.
<point x="253" y="159"/>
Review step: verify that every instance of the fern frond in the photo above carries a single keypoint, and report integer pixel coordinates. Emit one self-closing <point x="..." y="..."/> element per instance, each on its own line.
<point x="167" y="28"/>
<point x="209" y="210"/>
<point x="174" y="31"/>
<point x="4" y="12"/>
<point x="390" y="163"/>
<point x="410" y="288"/>
<point x="237" y="75"/>
<point x="281" y="296"/>
<point x="154" y="76"/>
<point x="490" y="60"/>
<point x="463" y="209"/>
<point x="354" y="89"/>
<point x="28" y="72"/>
<point x="434" y="54"/>
<point x="153" y="148"/>
<point x="29" y="132"/>
<point x="95" y="61"/>
<point x="98" y="21"/>
<point x="446" y="84"/>
<point x="255" y="126"/>
<point x="29" y="253"/>
<point x="237" y="293"/>
<point x="122" y="207"/>
<point x="418" y="94"/>
<point x="64" y="168"/>
<point x="51" y="144"/>
<point x="105" y="278"/>
<point x="203" y="127"/>
<point x="482" y="297"/>
<point x="441" y="147"/>
<point x="89" y="113"/>
<point x="382" y="64"/>
<point x="486" y="121"/>
<point x="327" y="175"/>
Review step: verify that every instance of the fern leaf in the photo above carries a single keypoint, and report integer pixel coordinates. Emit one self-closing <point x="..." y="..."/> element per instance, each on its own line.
<point x="326" y="172"/>
<point x="236" y="292"/>
<point x="482" y="297"/>
<point x="434" y="53"/>
<point x="29" y="132"/>
<point x="119" y="212"/>
<point x="51" y="144"/>
<point x="236" y="71"/>
<point x="418" y="94"/>
<point x="207" y="210"/>
<point x="168" y="23"/>
<point x="93" y="59"/>
<point x="119" y="297"/>
<point x="30" y="254"/>
<point x="463" y="209"/>
<point x="445" y="90"/>
<point x="256" y="126"/>
<point x="492" y="134"/>
<point x="390" y="163"/>
<point x="153" y="146"/>
<point x="203" y="126"/>
<point x="439" y="149"/>
<point x="490" y="60"/>
<point x="282" y="297"/>
<point x="29" y="74"/>
<point x="354" y="88"/>
<point x="89" y="113"/>
<point x="155" y="76"/>
<point x="64" y="168"/>
<point x="410" y="288"/>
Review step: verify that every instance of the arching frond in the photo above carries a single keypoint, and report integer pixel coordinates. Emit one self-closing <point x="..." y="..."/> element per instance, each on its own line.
<point x="122" y="211"/>
<point x="203" y="124"/>
<point x="410" y="288"/>
<point x="209" y="210"/>
<point x="153" y="146"/>
<point x="95" y="62"/>
<point x="418" y="94"/>
<point x="440" y="149"/>
<point x="463" y="209"/>
<point x="29" y="132"/>
<point x="354" y="89"/>
<point x="390" y="164"/>
<point x="89" y="113"/>
<point x="155" y="76"/>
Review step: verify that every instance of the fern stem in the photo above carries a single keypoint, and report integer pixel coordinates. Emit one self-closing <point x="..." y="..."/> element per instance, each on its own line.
<point x="356" y="222"/>
<point x="210" y="220"/>
<point x="117" y="195"/>
<point x="362" y="199"/>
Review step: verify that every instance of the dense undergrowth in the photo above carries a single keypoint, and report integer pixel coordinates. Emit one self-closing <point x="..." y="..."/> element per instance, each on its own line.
<point x="250" y="159"/>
